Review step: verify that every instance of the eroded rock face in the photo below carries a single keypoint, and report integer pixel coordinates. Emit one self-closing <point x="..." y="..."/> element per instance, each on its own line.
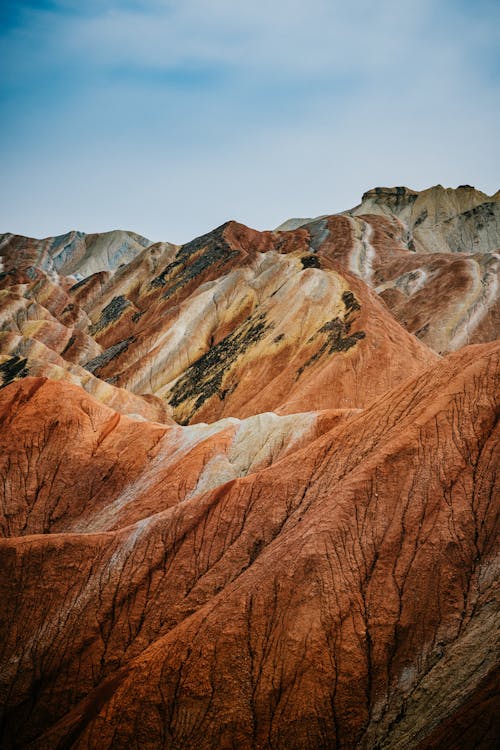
<point x="235" y="323"/>
<point x="433" y="256"/>
<point x="243" y="506"/>
<point x="73" y="253"/>
<point x="343" y="596"/>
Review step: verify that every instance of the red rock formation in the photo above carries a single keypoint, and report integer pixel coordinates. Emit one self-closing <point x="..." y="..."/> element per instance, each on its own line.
<point x="152" y="324"/>
<point x="433" y="256"/>
<point x="338" y="597"/>
<point x="310" y="559"/>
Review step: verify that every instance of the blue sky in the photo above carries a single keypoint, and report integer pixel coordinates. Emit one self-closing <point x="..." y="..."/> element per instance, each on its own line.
<point x="169" y="117"/>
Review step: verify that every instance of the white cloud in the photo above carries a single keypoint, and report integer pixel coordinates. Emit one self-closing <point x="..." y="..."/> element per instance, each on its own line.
<point x="315" y="103"/>
<point x="285" y="37"/>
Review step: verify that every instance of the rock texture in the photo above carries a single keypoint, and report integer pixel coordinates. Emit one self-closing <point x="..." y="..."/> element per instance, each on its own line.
<point x="433" y="257"/>
<point x="232" y="324"/>
<point x="242" y="505"/>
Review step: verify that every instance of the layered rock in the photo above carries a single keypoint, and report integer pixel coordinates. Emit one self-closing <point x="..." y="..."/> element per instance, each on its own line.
<point x="247" y="502"/>
<point x="440" y="219"/>
<point x="432" y="255"/>
<point x="235" y="323"/>
<point x="74" y="253"/>
<point x="344" y="596"/>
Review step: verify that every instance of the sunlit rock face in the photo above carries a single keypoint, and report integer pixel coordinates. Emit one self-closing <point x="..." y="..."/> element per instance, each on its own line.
<point x="249" y="484"/>
<point x="433" y="256"/>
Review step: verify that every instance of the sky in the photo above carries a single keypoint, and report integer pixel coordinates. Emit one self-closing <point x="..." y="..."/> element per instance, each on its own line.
<point x="169" y="117"/>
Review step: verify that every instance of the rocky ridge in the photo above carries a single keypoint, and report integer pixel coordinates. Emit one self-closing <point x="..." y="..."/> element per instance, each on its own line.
<point x="249" y="483"/>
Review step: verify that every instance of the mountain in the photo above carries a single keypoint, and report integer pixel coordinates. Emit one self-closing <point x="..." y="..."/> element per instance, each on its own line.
<point x="250" y="492"/>
<point x="433" y="256"/>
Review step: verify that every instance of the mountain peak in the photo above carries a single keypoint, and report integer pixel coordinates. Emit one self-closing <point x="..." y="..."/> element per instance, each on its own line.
<point x="248" y="482"/>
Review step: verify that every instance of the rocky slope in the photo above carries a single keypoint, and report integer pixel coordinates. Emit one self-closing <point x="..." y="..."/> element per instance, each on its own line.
<point x="243" y="506"/>
<point x="433" y="257"/>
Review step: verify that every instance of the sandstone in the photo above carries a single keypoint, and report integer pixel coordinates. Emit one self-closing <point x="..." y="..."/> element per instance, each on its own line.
<point x="302" y="605"/>
<point x="439" y="248"/>
<point x="249" y="484"/>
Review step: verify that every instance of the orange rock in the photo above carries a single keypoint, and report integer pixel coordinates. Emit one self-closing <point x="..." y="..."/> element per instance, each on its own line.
<point x="340" y="597"/>
<point x="307" y="557"/>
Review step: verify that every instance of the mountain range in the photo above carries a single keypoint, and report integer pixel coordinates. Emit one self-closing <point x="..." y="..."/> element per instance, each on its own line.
<point x="250" y="493"/>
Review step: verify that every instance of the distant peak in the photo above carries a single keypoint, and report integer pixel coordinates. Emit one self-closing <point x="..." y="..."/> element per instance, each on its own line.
<point x="399" y="191"/>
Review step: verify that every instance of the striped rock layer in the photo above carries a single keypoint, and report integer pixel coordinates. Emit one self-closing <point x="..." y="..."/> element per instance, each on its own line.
<point x="249" y="484"/>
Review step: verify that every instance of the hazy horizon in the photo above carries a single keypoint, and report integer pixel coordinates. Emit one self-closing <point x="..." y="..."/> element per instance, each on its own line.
<point x="209" y="228"/>
<point x="168" y="118"/>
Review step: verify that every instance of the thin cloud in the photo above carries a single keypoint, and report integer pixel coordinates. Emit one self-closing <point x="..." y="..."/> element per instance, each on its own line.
<point x="284" y="38"/>
<point x="170" y="117"/>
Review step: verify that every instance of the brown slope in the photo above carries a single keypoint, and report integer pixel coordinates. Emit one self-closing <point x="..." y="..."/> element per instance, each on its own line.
<point x="153" y="317"/>
<point x="304" y="606"/>
<point x="69" y="463"/>
<point x="447" y="299"/>
<point x="238" y="320"/>
<point x="39" y="336"/>
<point x="21" y="361"/>
<point x="234" y="323"/>
<point x="432" y="255"/>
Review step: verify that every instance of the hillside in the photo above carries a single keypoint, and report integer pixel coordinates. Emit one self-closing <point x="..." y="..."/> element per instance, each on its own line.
<point x="250" y="493"/>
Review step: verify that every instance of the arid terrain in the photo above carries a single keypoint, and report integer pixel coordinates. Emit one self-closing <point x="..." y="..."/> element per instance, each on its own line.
<point x="249" y="484"/>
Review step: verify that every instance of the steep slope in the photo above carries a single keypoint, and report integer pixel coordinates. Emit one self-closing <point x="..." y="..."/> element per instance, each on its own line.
<point x="343" y="597"/>
<point x="440" y="219"/>
<point x="239" y="322"/>
<point x="235" y="323"/>
<point x="116" y="470"/>
<point x="248" y="498"/>
<point x="436" y="220"/>
<point x="244" y="342"/>
<point x="432" y="255"/>
<point x="74" y="253"/>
